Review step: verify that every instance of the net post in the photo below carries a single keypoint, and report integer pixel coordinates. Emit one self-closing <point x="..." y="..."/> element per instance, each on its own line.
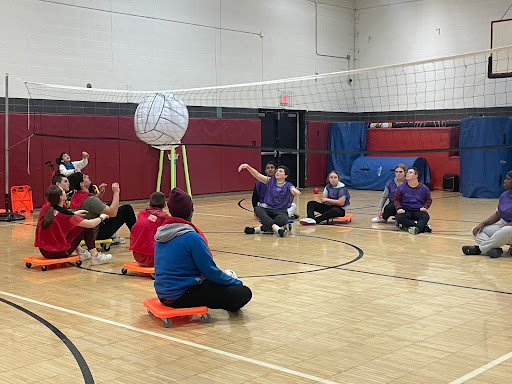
<point x="6" y="142"/>
<point x="160" y="168"/>
<point x="185" y="169"/>
<point x="173" y="167"/>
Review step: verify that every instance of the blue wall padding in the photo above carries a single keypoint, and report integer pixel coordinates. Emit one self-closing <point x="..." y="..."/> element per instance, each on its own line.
<point x="345" y="136"/>
<point x="374" y="172"/>
<point x="482" y="171"/>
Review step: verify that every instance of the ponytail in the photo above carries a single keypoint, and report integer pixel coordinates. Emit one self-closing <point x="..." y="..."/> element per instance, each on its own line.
<point x="47" y="218"/>
<point x="52" y="195"/>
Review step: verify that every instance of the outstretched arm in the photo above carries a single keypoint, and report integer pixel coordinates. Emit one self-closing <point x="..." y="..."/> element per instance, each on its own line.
<point x="294" y="191"/>
<point x="254" y="173"/>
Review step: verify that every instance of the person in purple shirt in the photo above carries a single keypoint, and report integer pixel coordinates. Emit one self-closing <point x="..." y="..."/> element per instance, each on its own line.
<point x="335" y="197"/>
<point x="385" y="212"/>
<point x="273" y="211"/>
<point x="260" y="191"/>
<point x="412" y="200"/>
<point x="495" y="231"/>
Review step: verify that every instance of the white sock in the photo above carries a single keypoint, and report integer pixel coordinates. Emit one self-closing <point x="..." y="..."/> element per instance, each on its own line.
<point x="257" y="229"/>
<point x="275" y="228"/>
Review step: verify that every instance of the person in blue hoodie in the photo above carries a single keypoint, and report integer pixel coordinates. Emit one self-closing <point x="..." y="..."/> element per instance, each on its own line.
<point x="185" y="273"/>
<point x="334" y="198"/>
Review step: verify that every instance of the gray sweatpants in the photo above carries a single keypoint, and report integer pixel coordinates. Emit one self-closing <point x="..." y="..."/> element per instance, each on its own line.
<point x="494" y="236"/>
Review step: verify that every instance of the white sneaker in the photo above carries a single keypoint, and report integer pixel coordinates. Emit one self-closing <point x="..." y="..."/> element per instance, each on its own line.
<point x="378" y="220"/>
<point x="118" y="240"/>
<point x="84" y="255"/>
<point x="101" y="258"/>
<point x="307" y="221"/>
<point x="231" y="273"/>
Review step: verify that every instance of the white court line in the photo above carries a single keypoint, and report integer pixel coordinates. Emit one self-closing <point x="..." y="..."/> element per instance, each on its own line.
<point x="188" y="343"/>
<point x="482" y="369"/>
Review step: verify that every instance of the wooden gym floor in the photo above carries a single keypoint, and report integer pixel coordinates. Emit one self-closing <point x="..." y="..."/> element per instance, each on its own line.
<point x="353" y="303"/>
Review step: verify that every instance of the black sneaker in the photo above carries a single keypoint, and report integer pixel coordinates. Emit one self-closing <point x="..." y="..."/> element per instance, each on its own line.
<point x="471" y="250"/>
<point x="413" y="230"/>
<point x="494" y="253"/>
<point x="399" y="226"/>
<point x="281" y="232"/>
<point x="428" y="228"/>
<point x="249" y="230"/>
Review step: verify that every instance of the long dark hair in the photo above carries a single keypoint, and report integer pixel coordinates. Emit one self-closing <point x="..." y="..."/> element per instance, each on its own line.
<point x="52" y="194"/>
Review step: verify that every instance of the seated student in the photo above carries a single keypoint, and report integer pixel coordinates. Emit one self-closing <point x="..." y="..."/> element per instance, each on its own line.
<point x="67" y="167"/>
<point x="335" y="197"/>
<point x="142" y="235"/>
<point x="118" y="215"/>
<point x="59" y="231"/>
<point x="384" y="213"/>
<point x="273" y="211"/>
<point x="260" y="191"/>
<point x="412" y="200"/>
<point x="185" y="273"/>
<point x="495" y="231"/>
<point x="62" y="182"/>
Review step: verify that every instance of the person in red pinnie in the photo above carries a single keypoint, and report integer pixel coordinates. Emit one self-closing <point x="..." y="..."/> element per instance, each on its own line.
<point x="59" y="231"/>
<point x="142" y="235"/>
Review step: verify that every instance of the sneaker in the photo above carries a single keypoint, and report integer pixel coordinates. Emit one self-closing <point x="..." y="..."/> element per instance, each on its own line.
<point x="428" y="228"/>
<point x="101" y="258"/>
<point x="118" y="240"/>
<point x="413" y="230"/>
<point x="494" y="253"/>
<point x="84" y="255"/>
<point x="281" y="232"/>
<point x="378" y="220"/>
<point x="471" y="250"/>
<point x="307" y="221"/>
<point x="399" y="226"/>
<point x="294" y="217"/>
<point x="231" y="273"/>
<point x="249" y="230"/>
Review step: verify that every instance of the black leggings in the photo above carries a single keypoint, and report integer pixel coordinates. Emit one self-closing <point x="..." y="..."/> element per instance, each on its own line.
<point x="125" y="215"/>
<point x="327" y="211"/>
<point x="389" y="210"/>
<point x="213" y="295"/>
<point x="87" y="234"/>
<point x="413" y="218"/>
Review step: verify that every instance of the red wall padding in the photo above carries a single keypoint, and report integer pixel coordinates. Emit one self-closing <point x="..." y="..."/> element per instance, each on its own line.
<point x="316" y="163"/>
<point x="116" y="155"/>
<point x="395" y="139"/>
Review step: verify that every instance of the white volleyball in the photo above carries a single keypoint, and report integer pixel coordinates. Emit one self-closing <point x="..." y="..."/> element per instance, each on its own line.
<point x="161" y="120"/>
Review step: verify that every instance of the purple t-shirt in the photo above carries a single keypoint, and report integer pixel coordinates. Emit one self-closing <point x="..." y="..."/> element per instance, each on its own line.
<point x="336" y="192"/>
<point x="278" y="197"/>
<point x="505" y="206"/>
<point x="413" y="198"/>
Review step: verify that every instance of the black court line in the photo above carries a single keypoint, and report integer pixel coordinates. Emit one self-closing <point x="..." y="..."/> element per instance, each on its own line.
<point x="322" y="267"/>
<point x="86" y="372"/>
<point x="240" y="205"/>
<point x="425" y="281"/>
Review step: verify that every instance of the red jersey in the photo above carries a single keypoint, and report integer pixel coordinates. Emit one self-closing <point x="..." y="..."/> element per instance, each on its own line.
<point x="142" y="234"/>
<point x="58" y="236"/>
